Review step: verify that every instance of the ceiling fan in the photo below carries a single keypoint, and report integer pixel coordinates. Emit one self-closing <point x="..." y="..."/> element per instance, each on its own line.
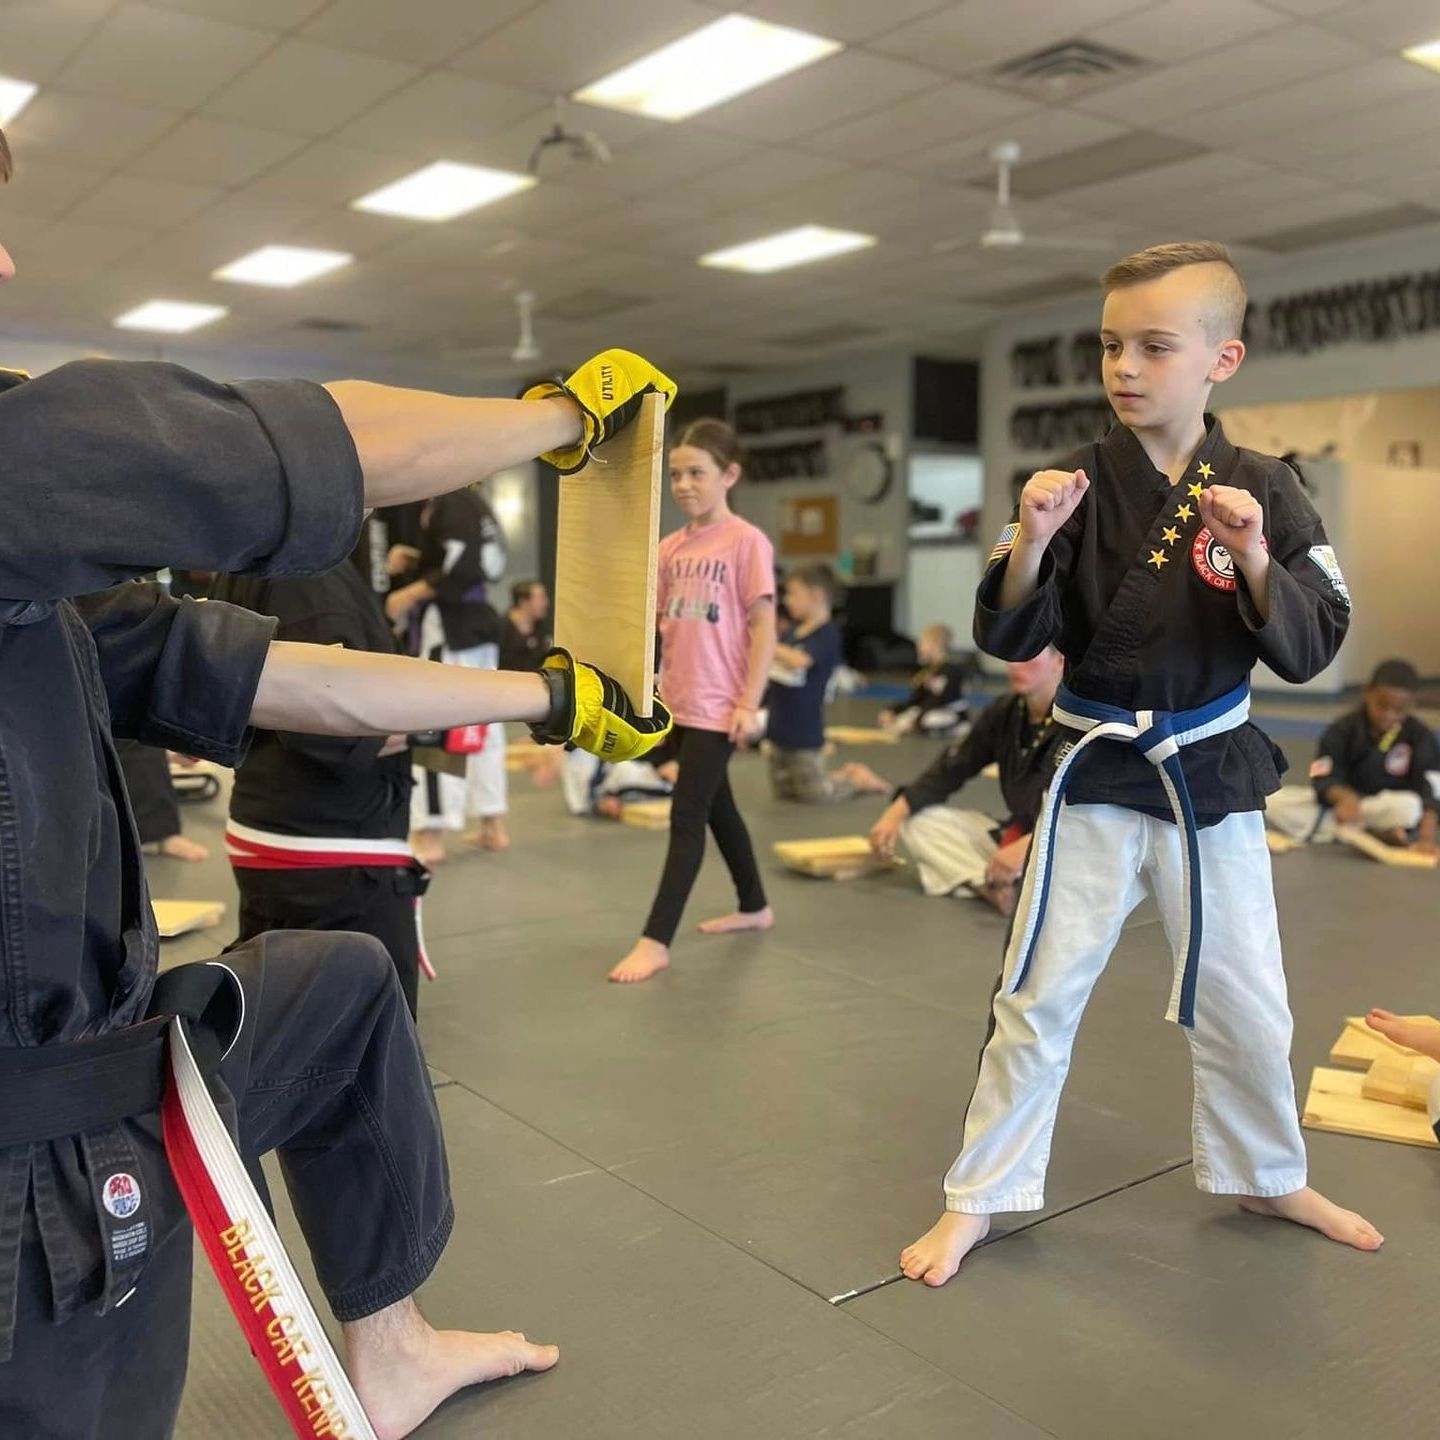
<point x="524" y="354"/>
<point x="1004" y="230"/>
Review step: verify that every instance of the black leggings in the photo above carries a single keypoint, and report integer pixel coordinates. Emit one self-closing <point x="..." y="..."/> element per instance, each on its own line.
<point x="702" y="795"/>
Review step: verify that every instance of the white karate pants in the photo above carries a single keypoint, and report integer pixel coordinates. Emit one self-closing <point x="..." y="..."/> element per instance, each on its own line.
<point x="951" y="848"/>
<point x="1245" y="1130"/>
<point x="1293" y="810"/>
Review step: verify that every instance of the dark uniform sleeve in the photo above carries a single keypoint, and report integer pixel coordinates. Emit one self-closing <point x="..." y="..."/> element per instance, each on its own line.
<point x="1024" y="631"/>
<point x="463" y="547"/>
<point x="1308" y="601"/>
<point x="112" y="469"/>
<point x="959" y="762"/>
<point x="1425" y="767"/>
<point x="1331" y="765"/>
<point x="179" y="674"/>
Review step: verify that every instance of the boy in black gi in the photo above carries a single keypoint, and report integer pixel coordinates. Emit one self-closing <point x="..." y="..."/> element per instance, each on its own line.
<point x="1164" y="563"/>
<point x="107" y="471"/>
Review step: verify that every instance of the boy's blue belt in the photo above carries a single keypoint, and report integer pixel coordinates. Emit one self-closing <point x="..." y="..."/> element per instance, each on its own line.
<point x="1159" y="735"/>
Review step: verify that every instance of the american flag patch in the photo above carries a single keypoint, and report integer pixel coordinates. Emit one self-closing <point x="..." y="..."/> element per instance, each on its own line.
<point x="1321" y="766"/>
<point x="1006" y="542"/>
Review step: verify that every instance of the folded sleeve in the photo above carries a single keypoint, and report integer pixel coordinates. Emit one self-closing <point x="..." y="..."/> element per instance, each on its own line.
<point x="114" y="469"/>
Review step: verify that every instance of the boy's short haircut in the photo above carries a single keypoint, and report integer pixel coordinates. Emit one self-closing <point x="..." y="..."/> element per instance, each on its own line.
<point x="1225" y="318"/>
<point x="943" y="633"/>
<point x="521" y="591"/>
<point x="818" y="577"/>
<point x="1394" y="675"/>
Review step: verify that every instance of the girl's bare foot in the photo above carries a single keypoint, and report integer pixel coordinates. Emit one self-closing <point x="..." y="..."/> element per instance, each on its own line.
<point x="1419" y="1035"/>
<point x="402" y="1369"/>
<point x="177" y="847"/>
<point x="740" y="920"/>
<point x="937" y="1254"/>
<point x="1309" y="1207"/>
<point x="429" y="848"/>
<point x="648" y="958"/>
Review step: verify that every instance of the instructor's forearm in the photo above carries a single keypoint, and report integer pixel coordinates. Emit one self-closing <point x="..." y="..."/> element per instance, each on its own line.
<point x="413" y="444"/>
<point x="326" y="690"/>
<point x="1022" y="573"/>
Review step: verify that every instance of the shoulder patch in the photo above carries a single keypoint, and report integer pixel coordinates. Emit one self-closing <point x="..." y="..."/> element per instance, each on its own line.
<point x="1321" y="766"/>
<point x="1323" y="556"/>
<point x="1005" y="543"/>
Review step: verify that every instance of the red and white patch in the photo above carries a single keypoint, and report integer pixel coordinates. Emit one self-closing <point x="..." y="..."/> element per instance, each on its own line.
<point x="1397" y="759"/>
<point x="1321" y="766"/>
<point x="1212" y="561"/>
<point x="121" y="1195"/>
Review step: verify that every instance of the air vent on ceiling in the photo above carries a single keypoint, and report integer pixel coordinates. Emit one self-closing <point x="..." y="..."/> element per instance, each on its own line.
<point x="325" y="325"/>
<point x="840" y="333"/>
<point x="1069" y="68"/>
<point x="589" y="304"/>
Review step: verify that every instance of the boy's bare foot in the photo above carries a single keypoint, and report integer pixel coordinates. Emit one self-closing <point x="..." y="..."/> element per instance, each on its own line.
<point x="648" y="958"/>
<point x="937" y="1254"/>
<point x="740" y="920"/>
<point x="1419" y="1035"/>
<point x="1309" y="1207"/>
<point x="402" y="1369"/>
<point x="609" y="806"/>
<point x="429" y="848"/>
<point x="177" y="847"/>
<point x="864" y="779"/>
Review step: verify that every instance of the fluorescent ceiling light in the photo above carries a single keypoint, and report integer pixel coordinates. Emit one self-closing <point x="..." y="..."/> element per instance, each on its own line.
<point x="442" y="191"/>
<point x="790" y="247"/>
<point x="174" y="317"/>
<point x="1427" y="54"/>
<point x="713" y="64"/>
<point x="15" y="95"/>
<point x="282" y="265"/>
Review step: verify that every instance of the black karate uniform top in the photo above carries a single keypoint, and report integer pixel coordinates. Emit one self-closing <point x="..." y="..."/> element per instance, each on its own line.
<point x="109" y="471"/>
<point x="461" y="552"/>
<point x="1150" y="613"/>
<point x="938" y="687"/>
<point x="1003" y="735"/>
<point x="1352" y="753"/>
<point x="320" y="784"/>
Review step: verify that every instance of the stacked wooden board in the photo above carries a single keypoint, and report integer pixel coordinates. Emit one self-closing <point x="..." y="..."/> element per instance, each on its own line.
<point x="1382" y="1093"/>
<point x="839" y="857"/>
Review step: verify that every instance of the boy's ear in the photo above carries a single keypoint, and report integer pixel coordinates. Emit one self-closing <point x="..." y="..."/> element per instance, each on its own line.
<point x="1232" y="352"/>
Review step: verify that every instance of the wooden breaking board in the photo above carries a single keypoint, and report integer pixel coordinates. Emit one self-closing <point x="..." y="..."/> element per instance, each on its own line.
<point x="841" y="857"/>
<point x="606" y="550"/>
<point x="860" y="735"/>
<point x="1373" y="846"/>
<point x="1335" y="1103"/>
<point x="647" y="814"/>
<point x="179" y="917"/>
<point x="1358" y="1045"/>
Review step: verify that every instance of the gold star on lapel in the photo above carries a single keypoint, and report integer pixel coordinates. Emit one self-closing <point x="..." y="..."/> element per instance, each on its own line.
<point x="1184" y="513"/>
<point x="1204" y="470"/>
<point x="1171" y="534"/>
<point x="1195" y="491"/>
<point x="1159" y="558"/>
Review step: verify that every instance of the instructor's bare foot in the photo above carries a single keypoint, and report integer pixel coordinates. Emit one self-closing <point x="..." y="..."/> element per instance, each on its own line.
<point x="648" y="958"/>
<point x="490" y="834"/>
<point x="402" y="1369"/>
<point x="177" y="847"/>
<point x="937" y="1254"/>
<point x="1419" y="1035"/>
<point x="1309" y="1207"/>
<point x="740" y="920"/>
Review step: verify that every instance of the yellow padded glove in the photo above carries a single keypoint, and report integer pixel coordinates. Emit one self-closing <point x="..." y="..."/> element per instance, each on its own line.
<point x="589" y="709"/>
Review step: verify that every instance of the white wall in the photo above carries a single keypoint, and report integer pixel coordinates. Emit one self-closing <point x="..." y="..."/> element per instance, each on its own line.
<point x="1343" y="369"/>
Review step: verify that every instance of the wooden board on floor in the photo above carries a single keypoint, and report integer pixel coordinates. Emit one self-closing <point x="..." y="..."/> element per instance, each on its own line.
<point x="1336" y="1104"/>
<point x="647" y="814"/>
<point x="1401" y="1080"/>
<point x="860" y="735"/>
<point x="1279" y="844"/>
<point x="606" y="550"/>
<point x="1377" y="849"/>
<point x="180" y="917"/>
<point x="840" y="857"/>
<point x="1358" y="1045"/>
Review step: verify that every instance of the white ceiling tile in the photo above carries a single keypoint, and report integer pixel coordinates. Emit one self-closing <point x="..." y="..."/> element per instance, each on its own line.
<point x="938" y="115"/>
<point x="143" y="204"/>
<point x="1307" y="9"/>
<point x="41" y="35"/>
<point x="1040" y="134"/>
<point x="45" y="188"/>
<point x="1235" y="73"/>
<point x="263" y="14"/>
<point x="309" y="89"/>
<point x="1386" y="24"/>
<point x="852" y="21"/>
<point x="441" y="115"/>
<point x="201" y="151"/>
<point x="559" y="46"/>
<point x="143" y="54"/>
<point x="326" y="174"/>
<point x="821" y="95"/>
<point x="87" y="131"/>
<point x="977" y="35"/>
<point x="757" y="178"/>
<point x="423" y="32"/>
<point x="1181" y="27"/>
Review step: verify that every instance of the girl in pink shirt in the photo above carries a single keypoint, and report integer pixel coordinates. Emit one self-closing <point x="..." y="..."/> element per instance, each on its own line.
<point x="716" y="603"/>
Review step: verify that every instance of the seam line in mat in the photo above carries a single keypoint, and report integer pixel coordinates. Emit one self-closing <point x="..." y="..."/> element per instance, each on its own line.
<point x="846" y="1296"/>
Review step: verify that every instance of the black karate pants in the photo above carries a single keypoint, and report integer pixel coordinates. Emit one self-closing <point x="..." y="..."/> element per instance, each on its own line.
<point x="702" y="796"/>
<point x="378" y="902"/>
<point x="327" y="1071"/>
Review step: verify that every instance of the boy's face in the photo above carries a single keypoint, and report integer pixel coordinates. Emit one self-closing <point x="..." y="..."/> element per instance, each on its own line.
<point x="1159" y="359"/>
<point x="802" y="601"/>
<point x="1388" y="705"/>
<point x="537" y="602"/>
<point x="930" y="648"/>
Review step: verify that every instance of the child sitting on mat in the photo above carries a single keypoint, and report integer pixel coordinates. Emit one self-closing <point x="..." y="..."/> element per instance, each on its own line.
<point x="936" y="704"/>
